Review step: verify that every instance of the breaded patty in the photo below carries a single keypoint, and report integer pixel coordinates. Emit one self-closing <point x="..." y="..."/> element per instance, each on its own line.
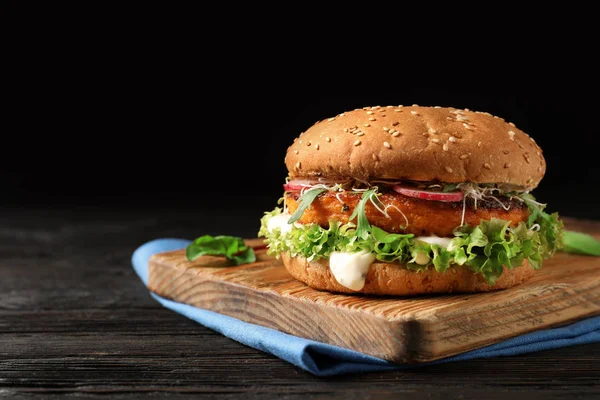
<point x="425" y="217"/>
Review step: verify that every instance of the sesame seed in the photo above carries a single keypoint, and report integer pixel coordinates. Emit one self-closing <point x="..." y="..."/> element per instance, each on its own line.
<point x="512" y="135"/>
<point x="296" y="152"/>
<point x="505" y="151"/>
<point x="331" y="119"/>
<point x="387" y="144"/>
<point x="396" y="133"/>
<point x="317" y="146"/>
<point x="400" y="106"/>
<point x="372" y="119"/>
<point x="395" y="123"/>
<point x="487" y="166"/>
<point x="308" y="143"/>
<point x="506" y="165"/>
<point x="511" y="124"/>
<point x="431" y="130"/>
<point x="375" y="157"/>
<point x="345" y="129"/>
<point x="369" y="112"/>
<point x="357" y="143"/>
<point x="415" y="105"/>
<point x="452" y="139"/>
<point x="461" y="118"/>
<point x="467" y="126"/>
<point x="539" y="154"/>
<point x="437" y="107"/>
<point x="464" y="156"/>
<point x="445" y="147"/>
<point x="359" y="133"/>
<point x="435" y="140"/>
<point x="327" y="139"/>
<point x="366" y="124"/>
<point x="414" y="112"/>
<point x="448" y="169"/>
<point x="385" y="128"/>
<point x="526" y="157"/>
<point x="540" y="169"/>
<point x="479" y="144"/>
<point x="298" y="165"/>
<point x="397" y="110"/>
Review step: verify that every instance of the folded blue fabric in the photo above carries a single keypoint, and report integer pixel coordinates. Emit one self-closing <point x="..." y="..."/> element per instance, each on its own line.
<point x="326" y="360"/>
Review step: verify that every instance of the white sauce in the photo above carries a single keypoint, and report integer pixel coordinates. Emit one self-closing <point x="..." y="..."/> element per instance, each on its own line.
<point x="280" y="221"/>
<point x="422" y="258"/>
<point x="440" y="241"/>
<point x="350" y="269"/>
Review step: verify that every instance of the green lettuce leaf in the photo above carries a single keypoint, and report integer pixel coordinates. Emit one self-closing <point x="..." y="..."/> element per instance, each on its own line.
<point x="485" y="249"/>
<point x="581" y="243"/>
<point x="550" y="225"/>
<point x="231" y="247"/>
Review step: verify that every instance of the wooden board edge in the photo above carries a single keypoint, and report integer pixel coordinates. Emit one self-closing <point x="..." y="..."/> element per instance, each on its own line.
<point x="372" y="335"/>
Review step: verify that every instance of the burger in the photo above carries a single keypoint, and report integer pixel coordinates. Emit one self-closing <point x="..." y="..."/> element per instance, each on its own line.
<point x="410" y="200"/>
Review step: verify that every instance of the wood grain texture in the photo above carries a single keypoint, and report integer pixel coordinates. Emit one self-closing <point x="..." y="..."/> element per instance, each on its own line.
<point x="76" y="322"/>
<point x="398" y="329"/>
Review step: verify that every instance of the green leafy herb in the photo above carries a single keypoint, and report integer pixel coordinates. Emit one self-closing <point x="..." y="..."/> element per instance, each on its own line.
<point x="450" y="187"/>
<point x="233" y="248"/>
<point x="581" y="243"/>
<point x="362" y="227"/>
<point x="304" y="202"/>
<point x="484" y="249"/>
<point x="551" y="227"/>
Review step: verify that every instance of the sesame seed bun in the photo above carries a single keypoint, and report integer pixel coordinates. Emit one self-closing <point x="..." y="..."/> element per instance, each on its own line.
<point x="417" y="143"/>
<point x="393" y="279"/>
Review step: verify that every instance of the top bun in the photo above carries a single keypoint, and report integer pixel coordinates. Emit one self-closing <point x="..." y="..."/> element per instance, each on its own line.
<point x="417" y="143"/>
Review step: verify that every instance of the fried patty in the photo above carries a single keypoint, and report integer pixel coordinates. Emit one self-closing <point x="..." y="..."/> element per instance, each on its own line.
<point x="425" y="217"/>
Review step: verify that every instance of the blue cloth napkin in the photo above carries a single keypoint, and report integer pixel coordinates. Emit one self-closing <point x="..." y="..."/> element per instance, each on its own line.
<point x="326" y="360"/>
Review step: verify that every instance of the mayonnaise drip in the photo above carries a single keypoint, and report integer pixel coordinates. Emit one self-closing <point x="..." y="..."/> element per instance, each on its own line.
<point x="280" y="221"/>
<point x="350" y="269"/>
<point x="440" y="241"/>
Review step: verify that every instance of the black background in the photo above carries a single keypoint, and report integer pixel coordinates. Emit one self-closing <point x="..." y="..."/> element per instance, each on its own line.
<point x="165" y="112"/>
<point x="160" y="149"/>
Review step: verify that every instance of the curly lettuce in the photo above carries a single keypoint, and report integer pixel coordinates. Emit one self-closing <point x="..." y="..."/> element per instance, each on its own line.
<point x="484" y="249"/>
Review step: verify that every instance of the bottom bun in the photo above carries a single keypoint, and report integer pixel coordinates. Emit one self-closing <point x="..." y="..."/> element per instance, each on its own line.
<point x="393" y="279"/>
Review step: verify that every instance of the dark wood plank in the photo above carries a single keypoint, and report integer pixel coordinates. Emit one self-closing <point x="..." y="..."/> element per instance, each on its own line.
<point x="76" y="320"/>
<point x="211" y="364"/>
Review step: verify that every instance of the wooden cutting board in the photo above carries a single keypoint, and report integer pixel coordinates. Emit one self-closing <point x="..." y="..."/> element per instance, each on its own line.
<point x="402" y="330"/>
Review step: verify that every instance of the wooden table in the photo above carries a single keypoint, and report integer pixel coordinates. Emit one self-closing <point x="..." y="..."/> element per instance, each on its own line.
<point x="75" y="319"/>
